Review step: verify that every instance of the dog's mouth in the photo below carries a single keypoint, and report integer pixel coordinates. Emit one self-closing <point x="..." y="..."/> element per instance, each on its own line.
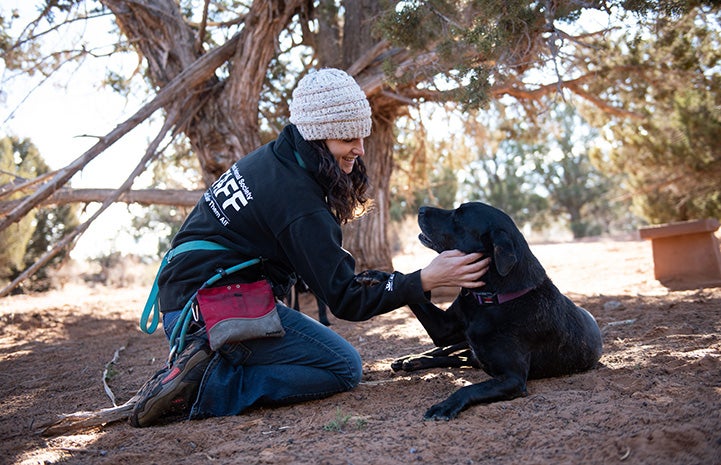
<point x="427" y="242"/>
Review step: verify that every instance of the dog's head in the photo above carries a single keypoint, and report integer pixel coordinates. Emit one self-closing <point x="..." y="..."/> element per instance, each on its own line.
<point x="477" y="227"/>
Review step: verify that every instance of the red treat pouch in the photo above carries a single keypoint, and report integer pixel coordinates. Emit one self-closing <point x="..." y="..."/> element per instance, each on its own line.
<point x="239" y="312"/>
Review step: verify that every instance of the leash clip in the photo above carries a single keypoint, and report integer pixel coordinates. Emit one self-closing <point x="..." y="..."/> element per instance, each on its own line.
<point x="194" y="308"/>
<point x="171" y="355"/>
<point x="486" y="298"/>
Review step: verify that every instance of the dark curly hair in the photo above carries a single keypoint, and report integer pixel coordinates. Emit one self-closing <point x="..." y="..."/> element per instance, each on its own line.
<point x="347" y="197"/>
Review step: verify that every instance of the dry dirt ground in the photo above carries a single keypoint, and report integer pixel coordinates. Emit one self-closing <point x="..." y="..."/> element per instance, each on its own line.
<point x="654" y="399"/>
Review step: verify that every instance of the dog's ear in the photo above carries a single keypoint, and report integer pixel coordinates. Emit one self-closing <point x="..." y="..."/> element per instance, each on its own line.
<point x="504" y="252"/>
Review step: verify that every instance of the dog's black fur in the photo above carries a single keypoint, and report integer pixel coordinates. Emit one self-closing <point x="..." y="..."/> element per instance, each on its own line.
<point x="537" y="335"/>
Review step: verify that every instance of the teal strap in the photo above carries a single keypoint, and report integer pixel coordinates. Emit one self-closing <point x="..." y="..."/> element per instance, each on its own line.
<point x="151" y="305"/>
<point x="299" y="159"/>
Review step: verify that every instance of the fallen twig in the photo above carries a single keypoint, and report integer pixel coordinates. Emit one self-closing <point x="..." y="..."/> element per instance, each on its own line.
<point x="108" y="391"/>
<point x="626" y="454"/>
<point x="618" y="323"/>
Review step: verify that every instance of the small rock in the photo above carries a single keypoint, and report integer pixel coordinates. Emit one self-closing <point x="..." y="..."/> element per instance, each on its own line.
<point x="613" y="305"/>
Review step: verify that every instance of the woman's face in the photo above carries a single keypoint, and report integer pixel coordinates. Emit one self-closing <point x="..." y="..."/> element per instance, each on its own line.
<point x="345" y="152"/>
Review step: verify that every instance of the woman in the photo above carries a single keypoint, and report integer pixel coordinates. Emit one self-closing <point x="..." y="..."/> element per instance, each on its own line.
<point x="286" y="202"/>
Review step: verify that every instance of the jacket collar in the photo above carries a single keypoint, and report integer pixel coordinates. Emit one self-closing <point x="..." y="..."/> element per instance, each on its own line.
<point x="291" y="145"/>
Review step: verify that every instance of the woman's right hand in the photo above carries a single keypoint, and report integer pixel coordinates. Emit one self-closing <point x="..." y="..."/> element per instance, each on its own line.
<point x="454" y="268"/>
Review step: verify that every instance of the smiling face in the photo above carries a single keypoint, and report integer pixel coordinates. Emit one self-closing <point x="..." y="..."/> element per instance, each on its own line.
<point x="345" y="152"/>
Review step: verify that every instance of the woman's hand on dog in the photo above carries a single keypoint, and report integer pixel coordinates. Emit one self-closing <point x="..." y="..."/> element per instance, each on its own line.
<point x="454" y="268"/>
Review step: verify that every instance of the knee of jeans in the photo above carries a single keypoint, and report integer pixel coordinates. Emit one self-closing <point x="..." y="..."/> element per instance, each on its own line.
<point x="356" y="370"/>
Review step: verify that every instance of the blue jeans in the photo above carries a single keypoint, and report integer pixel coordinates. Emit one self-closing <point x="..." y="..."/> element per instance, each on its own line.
<point x="310" y="362"/>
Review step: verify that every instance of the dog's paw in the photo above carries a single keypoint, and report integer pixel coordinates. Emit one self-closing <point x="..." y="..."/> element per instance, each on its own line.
<point x="407" y="363"/>
<point x="445" y="410"/>
<point x="411" y="363"/>
<point x="371" y="277"/>
<point x="397" y="365"/>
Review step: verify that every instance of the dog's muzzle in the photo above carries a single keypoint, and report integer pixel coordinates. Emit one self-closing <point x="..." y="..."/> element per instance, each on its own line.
<point x="427" y="242"/>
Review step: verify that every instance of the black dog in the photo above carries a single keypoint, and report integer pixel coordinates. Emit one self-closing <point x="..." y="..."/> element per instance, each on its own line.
<point x="517" y="327"/>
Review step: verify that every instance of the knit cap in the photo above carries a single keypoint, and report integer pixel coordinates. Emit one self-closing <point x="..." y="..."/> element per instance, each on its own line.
<point x="329" y="104"/>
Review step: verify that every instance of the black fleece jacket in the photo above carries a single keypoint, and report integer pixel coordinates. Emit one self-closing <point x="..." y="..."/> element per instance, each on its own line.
<point x="271" y="204"/>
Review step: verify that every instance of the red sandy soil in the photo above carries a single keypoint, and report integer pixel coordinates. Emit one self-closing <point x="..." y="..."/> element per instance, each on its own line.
<point x="654" y="399"/>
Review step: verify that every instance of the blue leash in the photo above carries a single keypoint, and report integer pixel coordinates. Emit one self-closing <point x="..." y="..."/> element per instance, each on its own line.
<point x="180" y="329"/>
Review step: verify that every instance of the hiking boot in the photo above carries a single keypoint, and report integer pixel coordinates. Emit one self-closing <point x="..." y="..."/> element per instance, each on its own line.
<point x="169" y="394"/>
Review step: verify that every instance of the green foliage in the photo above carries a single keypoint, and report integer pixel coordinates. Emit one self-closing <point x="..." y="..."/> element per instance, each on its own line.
<point x="117" y="82"/>
<point x="501" y="175"/>
<point x="577" y="190"/>
<point x="670" y="8"/>
<point x="51" y="225"/>
<point x="538" y="171"/>
<point x="343" y="421"/>
<point x="665" y="69"/>
<point x="470" y="52"/>
<point x="159" y="221"/>
<point x="478" y="43"/>
<point x="671" y="151"/>
<point x="440" y="191"/>
<point x="14" y="238"/>
<point x="32" y="236"/>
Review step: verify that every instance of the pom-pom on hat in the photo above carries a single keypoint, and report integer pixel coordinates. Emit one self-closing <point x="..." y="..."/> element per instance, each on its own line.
<point x="329" y="104"/>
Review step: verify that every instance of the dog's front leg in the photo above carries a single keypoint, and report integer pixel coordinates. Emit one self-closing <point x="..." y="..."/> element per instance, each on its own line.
<point x="509" y="369"/>
<point x="445" y="328"/>
<point x="488" y="391"/>
<point x="455" y="356"/>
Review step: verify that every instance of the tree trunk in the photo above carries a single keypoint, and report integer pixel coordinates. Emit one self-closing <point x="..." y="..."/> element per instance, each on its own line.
<point x="367" y="237"/>
<point x="221" y="118"/>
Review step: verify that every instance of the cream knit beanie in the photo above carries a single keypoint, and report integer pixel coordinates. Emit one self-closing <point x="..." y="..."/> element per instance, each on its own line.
<point x="329" y="104"/>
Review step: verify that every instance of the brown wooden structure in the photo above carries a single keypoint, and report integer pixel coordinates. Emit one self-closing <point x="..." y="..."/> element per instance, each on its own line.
<point x="686" y="254"/>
